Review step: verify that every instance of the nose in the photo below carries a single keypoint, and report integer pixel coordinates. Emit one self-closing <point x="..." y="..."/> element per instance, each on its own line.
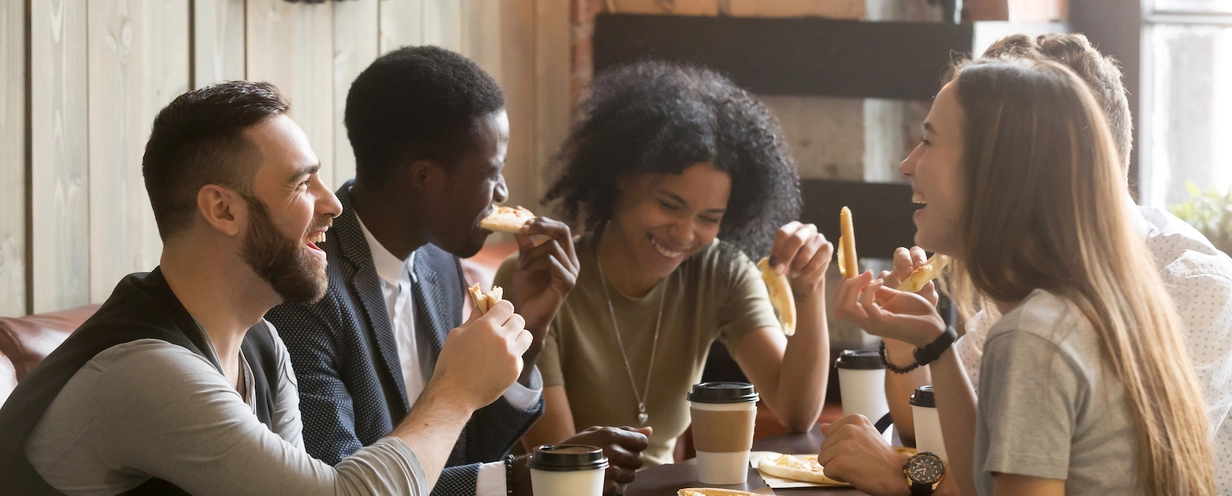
<point x="327" y="203"/>
<point x="502" y="191"/>
<point x="682" y="231"/>
<point x="907" y="167"/>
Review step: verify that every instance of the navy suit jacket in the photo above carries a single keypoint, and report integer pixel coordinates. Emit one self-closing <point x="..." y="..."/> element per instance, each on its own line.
<point x="350" y="378"/>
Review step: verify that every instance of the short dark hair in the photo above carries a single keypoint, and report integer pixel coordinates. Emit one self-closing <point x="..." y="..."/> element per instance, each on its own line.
<point x="1101" y="73"/>
<point x="416" y="103"/>
<point x="198" y="139"/>
<point x="662" y="117"/>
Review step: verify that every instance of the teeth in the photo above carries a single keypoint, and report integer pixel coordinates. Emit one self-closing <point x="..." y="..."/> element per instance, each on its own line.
<point x="917" y="199"/>
<point x="317" y="238"/>
<point x="664" y="251"/>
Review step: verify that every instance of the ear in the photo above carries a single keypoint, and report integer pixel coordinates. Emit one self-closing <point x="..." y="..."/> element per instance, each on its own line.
<point x="222" y="208"/>
<point x="426" y="175"/>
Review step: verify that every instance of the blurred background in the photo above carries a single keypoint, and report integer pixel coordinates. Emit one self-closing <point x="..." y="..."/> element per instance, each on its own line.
<point x="81" y="81"/>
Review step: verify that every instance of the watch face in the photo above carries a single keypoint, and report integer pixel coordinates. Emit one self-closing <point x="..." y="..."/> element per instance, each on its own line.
<point x="925" y="468"/>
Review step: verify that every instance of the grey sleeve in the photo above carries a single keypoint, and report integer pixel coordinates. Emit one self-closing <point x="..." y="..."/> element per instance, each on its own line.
<point x="1029" y="402"/>
<point x="173" y="416"/>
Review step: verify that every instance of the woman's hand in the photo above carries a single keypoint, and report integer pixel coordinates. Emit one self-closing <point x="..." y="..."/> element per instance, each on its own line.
<point x="905" y="262"/>
<point x="803" y="254"/>
<point x="888" y="313"/>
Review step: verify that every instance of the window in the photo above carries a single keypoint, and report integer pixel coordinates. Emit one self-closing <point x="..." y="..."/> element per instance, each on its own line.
<point x="1186" y="98"/>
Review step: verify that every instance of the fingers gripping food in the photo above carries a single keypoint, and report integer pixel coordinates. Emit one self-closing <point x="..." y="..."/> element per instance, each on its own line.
<point x="924" y="273"/>
<point x="796" y="467"/>
<point x="711" y="491"/>
<point x="507" y="219"/>
<point x="780" y="295"/>
<point x="484" y="302"/>
<point x="847" y="246"/>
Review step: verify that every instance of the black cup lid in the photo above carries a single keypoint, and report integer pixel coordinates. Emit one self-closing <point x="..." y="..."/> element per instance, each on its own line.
<point x="723" y="392"/>
<point x="924" y="397"/>
<point x="567" y="458"/>
<point x="860" y="360"/>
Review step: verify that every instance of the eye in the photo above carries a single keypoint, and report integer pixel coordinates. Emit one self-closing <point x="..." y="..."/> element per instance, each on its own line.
<point x="668" y="206"/>
<point x="710" y="220"/>
<point x="925" y="142"/>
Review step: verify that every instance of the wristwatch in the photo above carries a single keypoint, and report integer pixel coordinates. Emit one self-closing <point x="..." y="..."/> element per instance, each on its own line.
<point x="924" y="471"/>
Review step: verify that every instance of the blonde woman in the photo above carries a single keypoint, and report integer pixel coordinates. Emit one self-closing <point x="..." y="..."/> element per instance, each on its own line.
<point x="1086" y="384"/>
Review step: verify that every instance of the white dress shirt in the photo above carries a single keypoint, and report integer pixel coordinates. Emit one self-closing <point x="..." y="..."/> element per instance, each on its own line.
<point x="418" y="362"/>
<point x="1199" y="279"/>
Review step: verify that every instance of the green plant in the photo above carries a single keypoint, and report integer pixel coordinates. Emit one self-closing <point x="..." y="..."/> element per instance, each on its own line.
<point x="1210" y="212"/>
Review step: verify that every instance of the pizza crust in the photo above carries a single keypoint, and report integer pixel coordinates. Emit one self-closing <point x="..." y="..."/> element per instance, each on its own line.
<point x="507" y="219"/>
<point x="847" y="263"/>
<point x="781" y="296"/>
<point x="712" y="491"/>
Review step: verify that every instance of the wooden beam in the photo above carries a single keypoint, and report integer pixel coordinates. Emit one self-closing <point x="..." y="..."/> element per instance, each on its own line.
<point x="14" y="158"/>
<point x="218" y="41"/>
<point x="59" y="155"/>
<point x="356" y="44"/>
<point x="804" y="56"/>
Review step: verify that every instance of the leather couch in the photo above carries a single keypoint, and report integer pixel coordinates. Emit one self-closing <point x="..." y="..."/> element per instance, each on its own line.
<point x="26" y="341"/>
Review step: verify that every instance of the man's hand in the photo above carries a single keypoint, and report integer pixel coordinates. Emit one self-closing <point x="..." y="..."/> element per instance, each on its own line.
<point x="544" y="275"/>
<point x="888" y="313"/>
<point x="622" y="447"/>
<point x="855" y="452"/>
<point x="803" y="254"/>
<point x="481" y="358"/>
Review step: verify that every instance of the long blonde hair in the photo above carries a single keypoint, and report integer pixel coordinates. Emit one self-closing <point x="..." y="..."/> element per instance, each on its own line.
<point x="1045" y="211"/>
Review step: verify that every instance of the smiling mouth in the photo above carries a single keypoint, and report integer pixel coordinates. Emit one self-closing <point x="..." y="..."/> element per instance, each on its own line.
<point x="313" y="239"/>
<point x="663" y="250"/>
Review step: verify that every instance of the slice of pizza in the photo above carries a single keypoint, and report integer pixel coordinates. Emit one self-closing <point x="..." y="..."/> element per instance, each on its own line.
<point x="712" y="491"/>
<point x="924" y="273"/>
<point x="780" y="295"/>
<point x="484" y="302"/>
<point x="507" y="219"/>
<point x="802" y="468"/>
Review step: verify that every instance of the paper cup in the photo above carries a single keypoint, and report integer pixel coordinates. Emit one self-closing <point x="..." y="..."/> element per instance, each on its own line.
<point x="723" y="416"/>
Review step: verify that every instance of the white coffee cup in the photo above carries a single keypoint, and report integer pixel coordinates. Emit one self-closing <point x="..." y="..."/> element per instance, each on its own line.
<point x="927" y="424"/>
<point x="723" y="415"/>
<point x="567" y="470"/>
<point x="861" y="377"/>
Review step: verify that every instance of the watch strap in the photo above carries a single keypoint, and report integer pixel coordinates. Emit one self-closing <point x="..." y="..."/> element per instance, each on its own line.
<point x="932" y="351"/>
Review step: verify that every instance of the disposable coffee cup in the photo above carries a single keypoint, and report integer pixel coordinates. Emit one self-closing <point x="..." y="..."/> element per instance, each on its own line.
<point x="567" y="470"/>
<point x="861" y="377"/>
<point x="723" y="415"/>
<point x="927" y="425"/>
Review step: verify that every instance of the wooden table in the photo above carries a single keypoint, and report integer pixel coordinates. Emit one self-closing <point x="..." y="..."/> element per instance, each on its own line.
<point x="664" y="480"/>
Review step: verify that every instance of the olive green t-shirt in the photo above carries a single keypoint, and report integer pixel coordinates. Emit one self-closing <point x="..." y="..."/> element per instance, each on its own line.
<point x="715" y="294"/>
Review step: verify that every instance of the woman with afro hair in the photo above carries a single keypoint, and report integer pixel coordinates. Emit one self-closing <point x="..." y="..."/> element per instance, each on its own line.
<point x="678" y="179"/>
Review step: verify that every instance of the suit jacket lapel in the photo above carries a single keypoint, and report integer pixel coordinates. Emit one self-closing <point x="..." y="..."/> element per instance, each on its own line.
<point x="427" y="292"/>
<point x="367" y="285"/>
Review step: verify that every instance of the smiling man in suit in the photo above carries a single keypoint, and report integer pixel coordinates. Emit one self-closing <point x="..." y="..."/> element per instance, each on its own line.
<point x="429" y="131"/>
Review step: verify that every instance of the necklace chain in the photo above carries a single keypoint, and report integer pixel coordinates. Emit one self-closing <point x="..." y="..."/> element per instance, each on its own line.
<point x="642" y="416"/>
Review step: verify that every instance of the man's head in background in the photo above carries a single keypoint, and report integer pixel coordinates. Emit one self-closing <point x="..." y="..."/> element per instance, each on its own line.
<point x="1101" y="73"/>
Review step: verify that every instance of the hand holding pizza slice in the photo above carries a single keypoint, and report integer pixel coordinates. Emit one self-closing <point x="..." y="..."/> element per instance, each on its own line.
<point x="484" y="302"/>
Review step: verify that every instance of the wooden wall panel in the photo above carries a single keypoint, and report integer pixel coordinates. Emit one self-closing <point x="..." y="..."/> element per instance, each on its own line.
<point x="443" y="25"/>
<point x="14" y="160"/>
<point x="481" y="25"/>
<point x="218" y="41"/>
<point x="553" y="72"/>
<point x="401" y="24"/>
<point x="137" y="66"/>
<point x="356" y="44"/>
<point x="517" y="79"/>
<point x="60" y="253"/>
<point x="291" y="45"/>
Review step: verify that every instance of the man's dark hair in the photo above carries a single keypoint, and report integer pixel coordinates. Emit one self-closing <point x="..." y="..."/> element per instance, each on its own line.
<point x="1101" y="73"/>
<point x="416" y="103"/>
<point x="199" y="139"/>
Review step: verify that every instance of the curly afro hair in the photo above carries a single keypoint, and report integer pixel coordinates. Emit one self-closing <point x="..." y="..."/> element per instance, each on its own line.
<point x="657" y="117"/>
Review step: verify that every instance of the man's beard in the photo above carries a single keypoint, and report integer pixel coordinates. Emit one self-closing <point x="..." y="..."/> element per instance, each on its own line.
<point x="296" y="276"/>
